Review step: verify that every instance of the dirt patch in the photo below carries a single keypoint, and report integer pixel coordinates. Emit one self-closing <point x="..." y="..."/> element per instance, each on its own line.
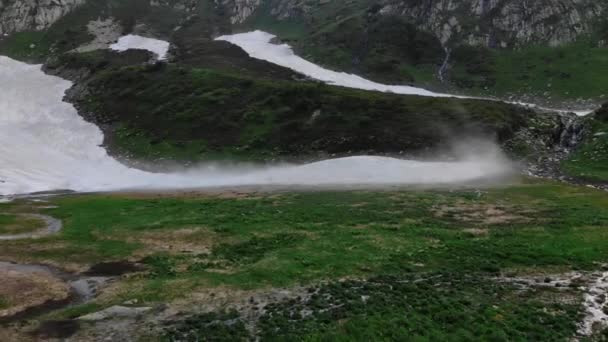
<point x="24" y="291"/>
<point x="12" y="333"/>
<point x="57" y="329"/>
<point x="481" y="213"/>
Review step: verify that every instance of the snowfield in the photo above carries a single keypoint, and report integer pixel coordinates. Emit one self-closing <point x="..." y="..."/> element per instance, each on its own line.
<point x="45" y="145"/>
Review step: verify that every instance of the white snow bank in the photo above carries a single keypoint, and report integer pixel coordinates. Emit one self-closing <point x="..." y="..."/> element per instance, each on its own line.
<point x="258" y="45"/>
<point x="45" y="145"/>
<point x="131" y="41"/>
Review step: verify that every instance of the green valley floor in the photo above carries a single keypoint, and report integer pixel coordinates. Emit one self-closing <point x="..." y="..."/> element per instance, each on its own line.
<point x="512" y="263"/>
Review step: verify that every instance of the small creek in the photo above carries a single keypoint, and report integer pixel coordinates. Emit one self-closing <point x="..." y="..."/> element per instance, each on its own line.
<point x="82" y="287"/>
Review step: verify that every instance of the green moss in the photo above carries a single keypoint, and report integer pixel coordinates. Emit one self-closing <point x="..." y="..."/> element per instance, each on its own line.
<point x="213" y="326"/>
<point x="13" y="224"/>
<point x="254" y="249"/>
<point x="430" y="307"/>
<point x="590" y="160"/>
<point x="24" y="44"/>
<point x="4" y="304"/>
<point x="566" y="72"/>
<point x="76" y="311"/>
<point x="387" y="49"/>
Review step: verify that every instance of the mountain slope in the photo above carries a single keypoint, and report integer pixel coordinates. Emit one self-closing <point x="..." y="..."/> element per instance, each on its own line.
<point x="185" y="113"/>
<point x="551" y="52"/>
<point x="176" y="112"/>
<point x="503" y="48"/>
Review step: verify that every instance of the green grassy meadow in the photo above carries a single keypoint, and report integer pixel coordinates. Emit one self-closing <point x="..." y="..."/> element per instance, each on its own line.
<point x="425" y="260"/>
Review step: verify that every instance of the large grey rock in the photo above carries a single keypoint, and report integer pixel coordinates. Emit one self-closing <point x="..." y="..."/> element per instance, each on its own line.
<point x="116" y="311"/>
<point x="24" y="15"/>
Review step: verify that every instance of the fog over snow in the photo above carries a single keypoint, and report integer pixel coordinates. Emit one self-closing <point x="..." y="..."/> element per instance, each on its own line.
<point x="45" y="145"/>
<point x="258" y="44"/>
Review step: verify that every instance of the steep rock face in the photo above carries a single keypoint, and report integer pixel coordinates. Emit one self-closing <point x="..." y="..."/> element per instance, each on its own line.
<point x="501" y="23"/>
<point x="492" y="23"/>
<point x="239" y="10"/>
<point x="23" y="15"/>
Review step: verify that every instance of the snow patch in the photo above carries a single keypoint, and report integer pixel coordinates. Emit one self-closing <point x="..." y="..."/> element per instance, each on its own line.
<point x="131" y="41"/>
<point x="258" y="44"/>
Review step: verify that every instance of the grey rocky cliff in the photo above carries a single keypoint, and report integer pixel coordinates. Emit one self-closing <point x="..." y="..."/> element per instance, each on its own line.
<point x="24" y="15"/>
<point x="240" y="10"/>
<point x="493" y="23"/>
<point x="500" y="23"/>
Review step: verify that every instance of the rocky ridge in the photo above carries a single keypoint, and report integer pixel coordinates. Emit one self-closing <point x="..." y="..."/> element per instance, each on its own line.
<point x="495" y="23"/>
<point x="491" y="23"/>
<point x="24" y="15"/>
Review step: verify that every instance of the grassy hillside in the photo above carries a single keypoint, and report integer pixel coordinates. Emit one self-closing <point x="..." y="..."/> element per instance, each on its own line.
<point x="353" y="36"/>
<point x="566" y="73"/>
<point x="388" y="49"/>
<point x="181" y="113"/>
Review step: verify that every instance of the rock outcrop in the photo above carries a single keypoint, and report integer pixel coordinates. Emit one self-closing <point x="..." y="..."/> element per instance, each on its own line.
<point x="240" y="10"/>
<point x="492" y="23"/>
<point x="24" y="15"/>
<point x="499" y="23"/>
